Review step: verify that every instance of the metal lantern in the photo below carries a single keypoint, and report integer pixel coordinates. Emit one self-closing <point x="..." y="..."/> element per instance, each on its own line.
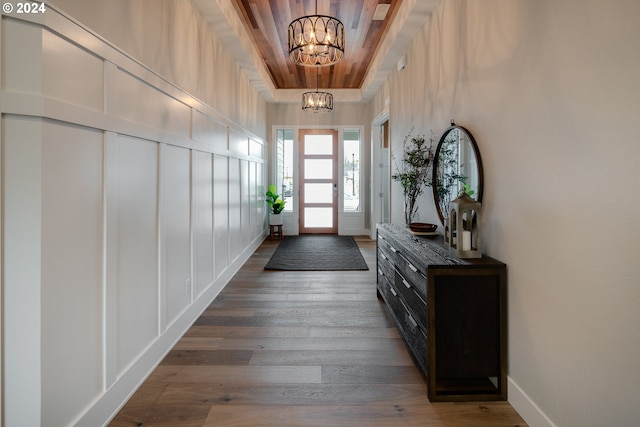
<point x="463" y="231"/>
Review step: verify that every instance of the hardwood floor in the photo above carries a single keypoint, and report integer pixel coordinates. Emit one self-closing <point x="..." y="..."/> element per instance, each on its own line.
<point x="292" y="349"/>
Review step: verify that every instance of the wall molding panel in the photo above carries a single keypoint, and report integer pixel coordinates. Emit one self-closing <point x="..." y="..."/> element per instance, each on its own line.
<point x="127" y="204"/>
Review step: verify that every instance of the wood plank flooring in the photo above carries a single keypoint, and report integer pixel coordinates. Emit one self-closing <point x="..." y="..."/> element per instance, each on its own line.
<point x="293" y="349"/>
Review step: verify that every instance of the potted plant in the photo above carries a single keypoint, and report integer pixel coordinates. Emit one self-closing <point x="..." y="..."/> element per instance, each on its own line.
<point x="276" y="204"/>
<point x="414" y="172"/>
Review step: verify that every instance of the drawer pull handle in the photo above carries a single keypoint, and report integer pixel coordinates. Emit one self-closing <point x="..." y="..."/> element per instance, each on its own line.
<point x="407" y="284"/>
<point x="413" y="322"/>
<point x="392" y="249"/>
<point x="415" y="270"/>
<point x="393" y="291"/>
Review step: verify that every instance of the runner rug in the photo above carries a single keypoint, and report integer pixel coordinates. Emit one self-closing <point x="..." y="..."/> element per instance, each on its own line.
<point x="317" y="252"/>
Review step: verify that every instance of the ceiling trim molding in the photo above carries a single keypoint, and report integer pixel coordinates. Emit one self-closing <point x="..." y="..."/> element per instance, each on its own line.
<point x="229" y="29"/>
<point x="409" y="20"/>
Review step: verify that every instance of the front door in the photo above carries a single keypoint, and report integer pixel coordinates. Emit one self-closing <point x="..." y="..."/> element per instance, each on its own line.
<point x="319" y="183"/>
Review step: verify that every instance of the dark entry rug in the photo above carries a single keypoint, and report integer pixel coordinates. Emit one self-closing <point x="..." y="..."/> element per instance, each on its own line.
<point x="317" y="252"/>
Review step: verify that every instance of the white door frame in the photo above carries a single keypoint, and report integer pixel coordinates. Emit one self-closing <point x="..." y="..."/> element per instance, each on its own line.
<point x="349" y="223"/>
<point x="376" y="202"/>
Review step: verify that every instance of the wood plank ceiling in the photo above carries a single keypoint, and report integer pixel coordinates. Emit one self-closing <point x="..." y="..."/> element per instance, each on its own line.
<point x="365" y="24"/>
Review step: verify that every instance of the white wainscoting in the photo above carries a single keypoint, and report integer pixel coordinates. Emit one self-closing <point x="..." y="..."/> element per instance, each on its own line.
<point x="202" y="210"/>
<point x="175" y="236"/>
<point x="127" y="206"/>
<point x="132" y="237"/>
<point x="221" y="212"/>
<point x="71" y="269"/>
<point x="22" y="269"/>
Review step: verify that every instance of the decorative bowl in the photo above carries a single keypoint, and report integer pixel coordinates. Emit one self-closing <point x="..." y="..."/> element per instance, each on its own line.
<point x="422" y="227"/>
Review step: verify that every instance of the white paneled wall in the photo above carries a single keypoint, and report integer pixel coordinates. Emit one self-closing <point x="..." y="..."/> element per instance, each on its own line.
<point x="245" y="220"/>
<point x="175" y="237"/>
<point x="205" y="129"/>
<point x="132" y="250"/>
<point x="71" y="282"/>
<point x="235" y="230"/>
<point x="127" y="205"/>
<point x="21" y="268"/>
<point x="137" y="101"/>
<point x="221" y="188"/>
<point x="202" y="231"/>
<point x="72" y="75"/>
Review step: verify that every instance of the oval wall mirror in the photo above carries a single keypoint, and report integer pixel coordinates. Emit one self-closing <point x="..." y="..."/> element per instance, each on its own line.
<point x="457" y="165"/>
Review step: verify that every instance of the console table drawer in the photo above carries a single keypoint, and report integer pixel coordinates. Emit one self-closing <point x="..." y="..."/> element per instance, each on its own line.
<point x="416" y="338"/>
<point x="385" y="266"/>
<point x="412" y="299"/>
<point x="390" y="295"/>
<point x="412" y="332"/>
<point x="413" y="272"/>
<point x="413" y="275"/>
<point x="385" y="278"/>
<point x="389" y="251"/>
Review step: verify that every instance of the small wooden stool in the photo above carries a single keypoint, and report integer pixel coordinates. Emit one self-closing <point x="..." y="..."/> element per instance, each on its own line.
<point x="275" y="232"/>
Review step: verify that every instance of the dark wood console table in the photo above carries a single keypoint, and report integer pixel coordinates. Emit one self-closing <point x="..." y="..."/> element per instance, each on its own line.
<point x="450" y="311"/>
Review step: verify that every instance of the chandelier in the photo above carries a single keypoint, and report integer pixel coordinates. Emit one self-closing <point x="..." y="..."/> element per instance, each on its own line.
<point x="317" y="102"/>
<point x="316" y="40"/>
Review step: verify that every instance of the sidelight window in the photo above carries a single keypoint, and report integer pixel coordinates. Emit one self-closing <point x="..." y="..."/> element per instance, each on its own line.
<point x="284" y="166"/>
<point x="351" y="171"/>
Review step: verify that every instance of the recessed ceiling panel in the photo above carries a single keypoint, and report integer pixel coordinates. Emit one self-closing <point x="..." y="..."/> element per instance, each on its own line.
<point x="365" y="24"/>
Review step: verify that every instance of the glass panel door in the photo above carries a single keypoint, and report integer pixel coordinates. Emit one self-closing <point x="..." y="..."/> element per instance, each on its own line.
<point x="319" y="183"/>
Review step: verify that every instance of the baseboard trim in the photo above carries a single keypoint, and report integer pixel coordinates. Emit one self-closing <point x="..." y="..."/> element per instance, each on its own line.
<point x="526" y="407"/>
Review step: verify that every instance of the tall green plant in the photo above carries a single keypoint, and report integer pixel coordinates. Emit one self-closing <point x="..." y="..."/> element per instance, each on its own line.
<point x="274" y="201"/>
<point x="414" y="172"/>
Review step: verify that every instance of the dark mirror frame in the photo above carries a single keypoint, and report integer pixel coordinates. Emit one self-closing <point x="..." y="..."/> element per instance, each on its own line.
<point x="436" y="163"/>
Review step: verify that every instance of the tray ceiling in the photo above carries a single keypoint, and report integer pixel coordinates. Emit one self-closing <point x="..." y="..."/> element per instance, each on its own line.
<point x="376" y="36"/>
<point x="267" y="22"/>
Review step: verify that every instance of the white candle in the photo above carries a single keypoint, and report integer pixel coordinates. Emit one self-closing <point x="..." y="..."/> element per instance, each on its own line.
<point x="466" y="240"/>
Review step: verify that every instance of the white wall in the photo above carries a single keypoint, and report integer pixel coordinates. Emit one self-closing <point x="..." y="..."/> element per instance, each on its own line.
<point x="175" y="41"/>
<point x="127" y="205"/>
<point x="550" y="91"/>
